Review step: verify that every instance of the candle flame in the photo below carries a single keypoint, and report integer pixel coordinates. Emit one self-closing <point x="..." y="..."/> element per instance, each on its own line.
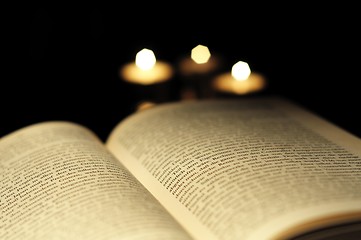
<point x="200" y="54"/>
<point x="145" y="59"/>
<point x="241" y="71"/>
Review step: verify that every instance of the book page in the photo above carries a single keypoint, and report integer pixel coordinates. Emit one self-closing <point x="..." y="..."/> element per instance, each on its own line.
<point x="58" y="181"/>
<point x="247" y="169"/>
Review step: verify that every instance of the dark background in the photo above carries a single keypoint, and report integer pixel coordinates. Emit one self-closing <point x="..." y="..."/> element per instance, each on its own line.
<point x="61" y="62"/>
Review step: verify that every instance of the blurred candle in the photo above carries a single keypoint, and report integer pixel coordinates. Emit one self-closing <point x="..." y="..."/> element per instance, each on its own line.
<point x="240" y="81"/>
<point x="200" y="62"/>
<point x="146" y="69"/>
<point x="148" y="79"/>
<point x="196" y="72"/>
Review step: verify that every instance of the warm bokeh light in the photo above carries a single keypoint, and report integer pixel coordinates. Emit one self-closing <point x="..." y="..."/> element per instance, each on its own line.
<point x="239" y="81"/>
<point x="241" y="71"/>
<point x="145" y="59"/>
<point x="200" y="54"/>
<point x="146" y="69"/>
<point x="145" y="105"/>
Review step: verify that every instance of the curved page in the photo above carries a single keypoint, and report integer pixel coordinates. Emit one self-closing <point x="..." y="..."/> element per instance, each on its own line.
<point x="243" y="169"/>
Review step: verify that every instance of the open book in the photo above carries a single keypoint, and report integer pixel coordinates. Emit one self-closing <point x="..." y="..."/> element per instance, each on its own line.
<point x="258" y="168"/>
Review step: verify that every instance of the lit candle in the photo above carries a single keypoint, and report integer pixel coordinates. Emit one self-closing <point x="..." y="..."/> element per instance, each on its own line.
<point x="200" y="62"/>
<point x="196" y="72"/>
<point x="146" y="70"/>
<point x="240" y="81"/>
<point x="148" y="79"/>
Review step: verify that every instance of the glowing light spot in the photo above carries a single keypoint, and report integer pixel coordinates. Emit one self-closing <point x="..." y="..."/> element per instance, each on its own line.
<point x="241" y="71"/>
<point x="145" y="59"/>
<point x="200" y="54"/>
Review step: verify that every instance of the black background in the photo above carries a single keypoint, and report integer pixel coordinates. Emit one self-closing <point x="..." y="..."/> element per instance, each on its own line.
<point x="61" y="62"/>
